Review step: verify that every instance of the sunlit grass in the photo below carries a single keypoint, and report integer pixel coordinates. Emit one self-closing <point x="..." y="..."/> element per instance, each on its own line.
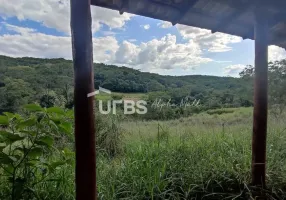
<point x="200" y="157"/>
<point x="205" y="156"/>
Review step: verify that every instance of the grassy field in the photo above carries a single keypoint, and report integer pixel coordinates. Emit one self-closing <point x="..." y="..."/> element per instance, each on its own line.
<point x="206" y="156"/>
<point x="201" y="157"/>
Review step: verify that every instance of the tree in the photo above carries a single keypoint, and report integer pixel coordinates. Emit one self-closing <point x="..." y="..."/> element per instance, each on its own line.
<point x="14" y="94"/>
<point x="276" y="82"/>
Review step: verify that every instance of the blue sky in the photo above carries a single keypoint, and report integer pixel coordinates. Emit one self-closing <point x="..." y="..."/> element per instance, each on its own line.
<point x="41" y="29"/>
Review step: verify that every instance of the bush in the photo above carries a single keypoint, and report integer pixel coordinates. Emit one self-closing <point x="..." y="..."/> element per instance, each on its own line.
<point x="28" y="154"/>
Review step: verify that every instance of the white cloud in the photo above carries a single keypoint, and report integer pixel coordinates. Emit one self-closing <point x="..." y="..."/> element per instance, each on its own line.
<point x="104" y="49"/>
<point x="18" y="29"/>
<point x="27" y="42"/>
<point x="165" y="24"/>
<point x="126" y="54"/>
<point x="233" y="70"/>
<point x="164" y="53"/>
<point x="146" y="26"/>
<point x="56" y="14"/>
<point x="276" y="53"/>
<point x="217" y="42"/>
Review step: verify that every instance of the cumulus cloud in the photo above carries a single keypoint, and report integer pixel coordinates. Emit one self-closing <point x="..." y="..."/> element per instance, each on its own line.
<point x="164" y="53"/>
<point x="165" y="24"/>
<point x="217" y="42"/>
<point x="126" y="53"/>
<point x="28" y="42"/>
<point x="146" y="26"/>
<point x="276" y="53"/>
<point x="233" y="70"/>
<point x="56" y="14"/>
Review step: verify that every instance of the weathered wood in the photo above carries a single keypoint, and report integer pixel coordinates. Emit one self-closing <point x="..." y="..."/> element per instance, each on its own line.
<point x="241" y="9"/>
<point x="83" y="106"/>
<point x="190" y="5"/>
<point x="260" y="99"/>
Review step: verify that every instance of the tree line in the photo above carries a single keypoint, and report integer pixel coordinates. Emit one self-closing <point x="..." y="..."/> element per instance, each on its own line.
<point x="49" y="82"/>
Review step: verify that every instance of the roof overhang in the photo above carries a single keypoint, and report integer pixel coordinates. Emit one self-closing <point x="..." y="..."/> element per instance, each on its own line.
<point x="235" y="17"/>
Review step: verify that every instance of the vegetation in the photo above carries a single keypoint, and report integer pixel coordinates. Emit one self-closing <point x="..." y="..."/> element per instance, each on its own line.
<point x="174" y="152"/>
<point x="49" y="82"/>
<point x="206" y="156"/>
<point x="32" y="153"/>
<point x="201" y="157"/>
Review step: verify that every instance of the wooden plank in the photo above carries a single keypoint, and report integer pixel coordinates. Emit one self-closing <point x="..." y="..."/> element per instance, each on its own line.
<point x="83" y="106"/>
<point x="260" y="99"/>
<point x="272" y="21"/>
<point x="123" y="5"/>
<point x="184" y="11"/>
<point x="241" y="8"/>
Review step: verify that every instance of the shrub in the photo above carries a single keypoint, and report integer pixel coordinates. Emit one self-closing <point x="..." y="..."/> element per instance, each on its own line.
<point x="27" y="147"/>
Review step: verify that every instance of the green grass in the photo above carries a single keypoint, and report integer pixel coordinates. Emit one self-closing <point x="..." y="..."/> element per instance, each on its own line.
<point x="205" y="156"/>
<point x="201" y="157"/>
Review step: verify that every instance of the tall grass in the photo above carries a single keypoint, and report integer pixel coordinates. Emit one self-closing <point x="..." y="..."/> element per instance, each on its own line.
<point x="204" y="157"/>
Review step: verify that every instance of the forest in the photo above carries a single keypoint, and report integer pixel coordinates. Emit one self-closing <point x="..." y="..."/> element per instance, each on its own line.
<point x="49" y="82"/>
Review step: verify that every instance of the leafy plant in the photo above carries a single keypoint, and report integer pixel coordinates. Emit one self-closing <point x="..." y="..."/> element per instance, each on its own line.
<point x="27" y="146"/>
<point x="108" y="135"/>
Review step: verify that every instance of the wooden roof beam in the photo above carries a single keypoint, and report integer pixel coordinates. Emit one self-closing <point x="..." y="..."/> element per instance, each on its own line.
<point x="277" y="39"/>
<point x="241" y="7"/>
<point x="123" y="6"/>
<point x="190" y="5"/>
<point x="276" y="19"/>
<point x="276" y="4"/>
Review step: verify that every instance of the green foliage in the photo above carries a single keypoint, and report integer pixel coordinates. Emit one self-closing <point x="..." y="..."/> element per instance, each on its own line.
<point x="27" y="145"/>
<point x="277" y="84"/>
<point x="14" y="94"/>
<point x="108" y="135"/>
<point x="47" y="101"/>
<point x="220" y="111"/>
<point x="49" y="82"/>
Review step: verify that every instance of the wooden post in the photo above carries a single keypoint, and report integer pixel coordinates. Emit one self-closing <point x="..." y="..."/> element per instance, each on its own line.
<point x="83" y="106"/>
<point x="260" y="99"/>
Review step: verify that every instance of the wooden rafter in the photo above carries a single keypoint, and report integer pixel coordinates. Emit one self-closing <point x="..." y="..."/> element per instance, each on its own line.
<point x="276" y="4"/>
<point x="190" y="5"/>
<point x="123" y="6"/>
<point x="240" y="7"/>
<point x="276" y="19"/>
<point x="175" y="11"/>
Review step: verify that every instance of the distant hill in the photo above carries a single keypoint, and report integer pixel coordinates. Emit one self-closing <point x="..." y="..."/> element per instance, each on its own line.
<point x="40" y="77"/>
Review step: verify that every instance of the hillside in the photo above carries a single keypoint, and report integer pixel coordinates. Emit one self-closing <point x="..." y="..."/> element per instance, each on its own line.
<point x="50" y="81"/>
